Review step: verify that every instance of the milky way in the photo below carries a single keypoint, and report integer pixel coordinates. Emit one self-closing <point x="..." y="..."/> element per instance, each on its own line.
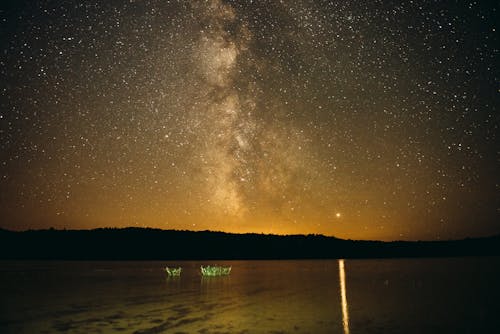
<point x="366" y="120"/>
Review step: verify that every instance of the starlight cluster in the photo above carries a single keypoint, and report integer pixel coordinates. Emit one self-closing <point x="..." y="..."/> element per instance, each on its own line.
<point x="357" y="119"/>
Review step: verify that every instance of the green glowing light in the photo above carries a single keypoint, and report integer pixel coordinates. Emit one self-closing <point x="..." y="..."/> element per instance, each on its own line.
<point x="173" y="271"/>
<point x="215" y="271"/>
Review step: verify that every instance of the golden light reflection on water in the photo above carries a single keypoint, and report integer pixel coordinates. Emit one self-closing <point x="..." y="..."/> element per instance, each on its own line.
<point x="345" y="312"/>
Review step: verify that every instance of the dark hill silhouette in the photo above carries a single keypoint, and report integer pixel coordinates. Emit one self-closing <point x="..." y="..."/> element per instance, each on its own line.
<point x="156" y="244"/>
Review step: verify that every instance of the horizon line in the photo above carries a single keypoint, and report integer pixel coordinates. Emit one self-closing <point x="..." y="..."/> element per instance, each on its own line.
<point x="240" y="233"/>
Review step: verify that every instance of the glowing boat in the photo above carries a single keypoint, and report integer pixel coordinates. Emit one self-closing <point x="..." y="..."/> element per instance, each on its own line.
<point x="173" y="271"/>
<point x="215" y="271"/>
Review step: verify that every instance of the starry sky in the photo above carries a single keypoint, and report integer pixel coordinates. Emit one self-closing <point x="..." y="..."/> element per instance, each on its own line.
<point x="357" y="119"/>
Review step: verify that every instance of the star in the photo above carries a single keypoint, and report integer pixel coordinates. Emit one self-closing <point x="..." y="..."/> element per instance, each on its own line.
<point x="241" y="116"/>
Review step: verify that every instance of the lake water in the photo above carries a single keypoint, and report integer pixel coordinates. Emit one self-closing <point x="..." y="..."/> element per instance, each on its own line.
<point x="451" y="295"/>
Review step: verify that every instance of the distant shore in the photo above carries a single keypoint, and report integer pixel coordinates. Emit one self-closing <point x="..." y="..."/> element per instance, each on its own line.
<point x="156" y="244"/>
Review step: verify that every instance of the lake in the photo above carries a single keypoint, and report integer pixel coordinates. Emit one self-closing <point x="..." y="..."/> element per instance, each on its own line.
<point x="444" y="295"/>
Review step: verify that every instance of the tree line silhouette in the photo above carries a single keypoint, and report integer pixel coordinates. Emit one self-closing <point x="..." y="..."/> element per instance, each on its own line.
<point x="156" y="244"/>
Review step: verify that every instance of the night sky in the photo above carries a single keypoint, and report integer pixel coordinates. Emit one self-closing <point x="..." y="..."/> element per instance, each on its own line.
<point x="358" y="119"/>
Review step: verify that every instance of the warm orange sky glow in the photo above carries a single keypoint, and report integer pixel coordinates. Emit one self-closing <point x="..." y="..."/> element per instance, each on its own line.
<point x="352" y="119"/>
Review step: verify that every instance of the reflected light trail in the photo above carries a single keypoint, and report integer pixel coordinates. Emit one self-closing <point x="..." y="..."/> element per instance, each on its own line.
<point x="345" y="313"/>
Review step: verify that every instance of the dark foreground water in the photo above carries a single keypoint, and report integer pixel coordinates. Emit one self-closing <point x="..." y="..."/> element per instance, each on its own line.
<point x="455" y="295"/>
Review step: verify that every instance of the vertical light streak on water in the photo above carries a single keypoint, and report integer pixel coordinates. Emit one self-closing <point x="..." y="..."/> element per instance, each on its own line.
<point x="345" y="312"/>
